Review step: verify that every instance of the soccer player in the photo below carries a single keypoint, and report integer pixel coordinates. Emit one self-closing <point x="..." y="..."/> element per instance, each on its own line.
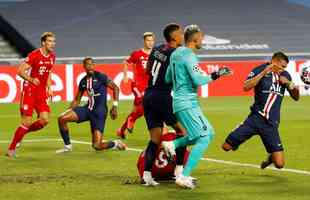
<point x="138" y="60"/>
<point x="36" y="72"/>
<point x="186" y="76"/>
<point x="95" y="84"/>
<point x="162" y="168"/>
<point x="157" y="101"/>
<point x="269" y="81"/>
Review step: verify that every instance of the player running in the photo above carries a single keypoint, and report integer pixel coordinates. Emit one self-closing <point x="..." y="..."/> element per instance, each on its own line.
<point x="269" y="82"/>
<point x="157" y="101"/>
<point x="95" y="84"/>
<point x="36" y="72"/>
<point x="186" y="76"/>
<point x="138" y="60"/>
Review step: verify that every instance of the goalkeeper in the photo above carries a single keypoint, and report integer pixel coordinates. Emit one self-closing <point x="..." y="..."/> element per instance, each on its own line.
<point x="186" y="76"/>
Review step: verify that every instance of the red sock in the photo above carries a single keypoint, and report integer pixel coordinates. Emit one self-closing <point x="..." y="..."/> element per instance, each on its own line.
<point x="18" y="136"/>
<point x="137" y="113"/>
<point x="37" y="125"/>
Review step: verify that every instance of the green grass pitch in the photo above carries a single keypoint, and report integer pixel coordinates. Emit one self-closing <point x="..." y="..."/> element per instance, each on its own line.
<point x="39" y="173"/>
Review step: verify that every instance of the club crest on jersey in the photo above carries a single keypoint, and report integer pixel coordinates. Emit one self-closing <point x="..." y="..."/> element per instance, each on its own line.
<point x="42" y="70"/>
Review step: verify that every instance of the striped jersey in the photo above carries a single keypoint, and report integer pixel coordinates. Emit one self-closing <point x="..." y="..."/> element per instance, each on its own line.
<point x="96" y="87"/>
<point x="268" y="94"/>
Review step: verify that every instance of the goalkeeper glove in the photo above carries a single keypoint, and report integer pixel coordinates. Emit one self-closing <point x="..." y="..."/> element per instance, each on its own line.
<point x="221" y="72"/>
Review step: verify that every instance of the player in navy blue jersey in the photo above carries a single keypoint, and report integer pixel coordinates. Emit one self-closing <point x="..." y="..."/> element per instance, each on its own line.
<point x="270" y="81"/>
<point x="157" y="100"/>
<point x="95" y="84"/>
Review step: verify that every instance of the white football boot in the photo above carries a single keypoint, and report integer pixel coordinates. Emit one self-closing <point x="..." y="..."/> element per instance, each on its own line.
<point x="148" y="179"/>
<point x="66" y="149"/>
<point x="185" y="182"/>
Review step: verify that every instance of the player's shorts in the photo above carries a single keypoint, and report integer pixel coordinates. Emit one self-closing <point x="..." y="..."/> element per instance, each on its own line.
<point x="33" y="101"/>
<point x="96" y="119"/>
<point x="158" y="109"/>
<point x="256" y="124"/>
<point x="195" y="123"/>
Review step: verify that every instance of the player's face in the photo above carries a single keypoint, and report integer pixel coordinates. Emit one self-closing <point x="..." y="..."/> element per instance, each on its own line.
<point x="178" y="37"/>
<point x="198" y="38"/>
<point x="49" y="44"/>
<point x="279" y="62"/>
<point x="89" y="66"/>
<point x="149" y="42"/>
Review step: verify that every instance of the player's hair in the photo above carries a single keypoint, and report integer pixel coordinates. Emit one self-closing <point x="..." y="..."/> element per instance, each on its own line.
<point x="148" y="34"/>
<point x="86" y="59"/>
<point x="189" y="31"/>
<point x="170" y="28"/>
<point x="280" y="55"/>
<point x="45" y="35"/>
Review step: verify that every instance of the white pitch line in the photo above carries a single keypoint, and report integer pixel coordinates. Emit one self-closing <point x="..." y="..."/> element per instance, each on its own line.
<point x="296" y="171"/>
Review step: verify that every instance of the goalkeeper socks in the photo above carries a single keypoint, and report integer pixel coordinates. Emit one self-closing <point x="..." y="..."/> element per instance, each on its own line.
<point x="18" y="136"/>
<point x="65" y="135"/>
<point x="196" y="154"/>
<point x="150" y="156"/>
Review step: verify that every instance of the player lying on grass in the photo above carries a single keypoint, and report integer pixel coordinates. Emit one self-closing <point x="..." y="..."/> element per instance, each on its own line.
<point x="162" y="168"/>
<point x="269" y="81"/>
<point x="36" y="72"/>
<point x="95" y="84"/>
<point x="157" y="101"/>
<point x="186" y="76"/>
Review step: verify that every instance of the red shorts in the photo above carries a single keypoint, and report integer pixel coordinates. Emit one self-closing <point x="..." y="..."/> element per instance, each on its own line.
<point x="33" y="101"/>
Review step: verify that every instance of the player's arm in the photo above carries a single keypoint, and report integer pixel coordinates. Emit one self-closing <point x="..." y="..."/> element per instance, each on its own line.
<point x="290" y="86"/>
<point x="77" y="99"/>
<point x="22" y="71"/>
<point x="49" y="85"/>
<point x="115" y="98"/>
<point x="197" y="75"/>
<point x="254" y="77"/>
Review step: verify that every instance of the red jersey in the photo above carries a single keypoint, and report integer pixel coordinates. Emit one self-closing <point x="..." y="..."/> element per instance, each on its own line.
<point x="139" y="60"/>
<point x="41" y="66"/>
<point x="161" y="169"/>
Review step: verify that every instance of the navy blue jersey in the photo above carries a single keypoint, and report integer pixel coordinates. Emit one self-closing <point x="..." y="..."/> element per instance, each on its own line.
<point x="269" y="93"/>
<point x="96" y="87"/>
<point x="157" y="65"/>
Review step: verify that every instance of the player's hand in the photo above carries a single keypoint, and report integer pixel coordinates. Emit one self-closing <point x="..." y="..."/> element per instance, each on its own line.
<point x="125" y="79"/>
<point x="35" y="81"/>
<point x="225" y="71"/>
<point x="49" y="91"/>
<point x="113" y="112"/>
<point x="274" y="68"/>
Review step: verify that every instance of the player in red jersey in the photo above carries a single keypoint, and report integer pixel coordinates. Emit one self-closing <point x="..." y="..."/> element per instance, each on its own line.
<point x="138" y="60"/>
<point x="162" y="168"/>
<point x="36" y="72"/>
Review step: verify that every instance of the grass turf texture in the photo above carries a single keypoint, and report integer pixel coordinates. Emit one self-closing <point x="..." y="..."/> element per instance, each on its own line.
<point x="39" y="173"/>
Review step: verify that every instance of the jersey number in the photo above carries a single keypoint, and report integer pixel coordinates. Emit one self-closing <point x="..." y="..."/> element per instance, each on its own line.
<point x="155" y="71"/>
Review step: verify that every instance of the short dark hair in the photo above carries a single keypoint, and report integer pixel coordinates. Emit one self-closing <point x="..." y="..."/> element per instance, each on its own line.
<point x="170" y="28"/>
<point x="45" y="35"/>
<point x="280" y="55"/>
<point x="86" y="59"/>
<point x="190" y="30"/>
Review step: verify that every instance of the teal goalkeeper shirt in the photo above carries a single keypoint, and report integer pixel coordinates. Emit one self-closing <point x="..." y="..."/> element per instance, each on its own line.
<point x="186" y="76"/>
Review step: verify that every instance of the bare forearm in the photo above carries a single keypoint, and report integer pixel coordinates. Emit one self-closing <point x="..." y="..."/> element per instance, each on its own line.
<point x="294" y="93"/>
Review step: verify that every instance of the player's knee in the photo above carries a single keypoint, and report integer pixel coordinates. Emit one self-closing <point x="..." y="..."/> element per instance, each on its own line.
<point x="226" y="147"/>
<point x="279" y="164"/>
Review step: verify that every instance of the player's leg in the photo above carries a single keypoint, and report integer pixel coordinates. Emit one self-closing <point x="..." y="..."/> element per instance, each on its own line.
<point x="272" y="142"/>
<point x="241" y="134"/>
<point x="155" y="125"/>
<point x="26" y="110"/>
<point x="134" y="115"/>
<point x="97" y="124"/>
<point x="19" y="134"/>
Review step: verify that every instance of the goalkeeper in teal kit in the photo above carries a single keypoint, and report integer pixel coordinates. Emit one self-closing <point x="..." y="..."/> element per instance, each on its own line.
<point x="186" y="76"/>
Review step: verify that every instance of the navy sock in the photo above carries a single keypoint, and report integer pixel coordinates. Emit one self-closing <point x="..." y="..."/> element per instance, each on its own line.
<point x="180" y="153"/>
<point x="111" y="144"/>
<point x="65" y="136"/>
<point x="150" y="156"/>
